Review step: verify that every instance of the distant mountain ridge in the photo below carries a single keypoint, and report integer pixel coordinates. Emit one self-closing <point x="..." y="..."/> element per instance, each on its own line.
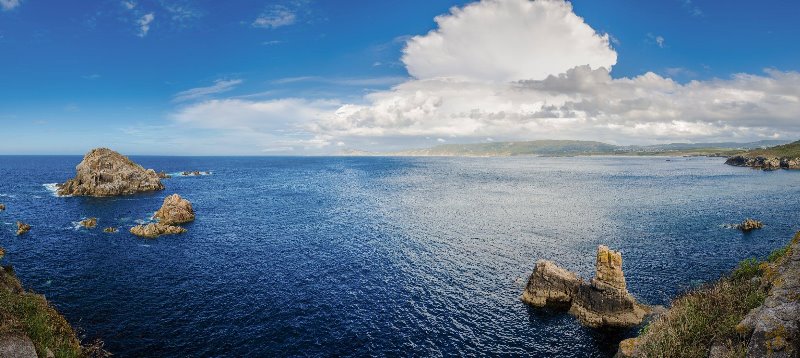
<point x="573" y="148"/>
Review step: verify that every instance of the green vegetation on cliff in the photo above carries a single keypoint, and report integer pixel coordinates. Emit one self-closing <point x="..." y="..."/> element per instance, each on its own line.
<point x="28" y="314"/>
<point x="707" y="317"/>
<point x="791" y="150"/>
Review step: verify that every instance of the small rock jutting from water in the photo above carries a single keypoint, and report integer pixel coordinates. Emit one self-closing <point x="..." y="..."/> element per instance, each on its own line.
<point x="104" y="172"/>
<point x="749" y="225"/>
<point x="2" y="207"/>
<point x="110" y="230"/>
<point x="22" y="228"/>
<point x="163" y="175"/>
<point x="154" y="230"/>
<point x="89" y="223"/>
<point x="2" y="252"/>
<point x="175" y="210"/>
<point x="603" y="302"/>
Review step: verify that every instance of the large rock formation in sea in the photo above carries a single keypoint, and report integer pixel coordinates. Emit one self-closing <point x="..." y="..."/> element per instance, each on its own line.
<point x="773" y="329"/>
<point x="154" y="230"/>
<point x="602" y="302"/>
<point x="104" y="172"/>
<point x="175" y="210"/>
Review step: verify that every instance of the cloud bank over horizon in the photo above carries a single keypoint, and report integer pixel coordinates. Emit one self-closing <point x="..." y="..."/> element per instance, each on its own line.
<point x="518" y="70"/>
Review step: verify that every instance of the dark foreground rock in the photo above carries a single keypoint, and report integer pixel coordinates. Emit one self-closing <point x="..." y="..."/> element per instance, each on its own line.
<point x="175" y="210"/>
<point x="104" y="172"/>
<point x="765" y="163"/>
<point x="602" y="302"/>
<point x="154" y="230"/>
<point x="17" y="346"/>
<point x="773" y="329"/>
<point x="22" y="228"/>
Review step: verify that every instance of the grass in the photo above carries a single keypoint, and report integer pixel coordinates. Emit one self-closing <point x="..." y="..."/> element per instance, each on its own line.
<point x="791" y="150"/>
<point x="27" y="313"/>
<point x="708" y="315"/>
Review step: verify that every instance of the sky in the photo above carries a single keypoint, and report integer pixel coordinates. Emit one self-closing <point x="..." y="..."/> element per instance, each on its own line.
<point x="306" y="77"/>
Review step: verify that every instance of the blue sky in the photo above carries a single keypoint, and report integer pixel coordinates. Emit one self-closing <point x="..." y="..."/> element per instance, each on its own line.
<point x="274" y="77"/>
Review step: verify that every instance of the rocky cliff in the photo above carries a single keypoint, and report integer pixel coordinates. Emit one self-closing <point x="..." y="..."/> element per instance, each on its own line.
<point x="773" y="329"/>
<point x="765" y="163"/>
<point x="604" y="301"/>
<point x="104" y="172"/>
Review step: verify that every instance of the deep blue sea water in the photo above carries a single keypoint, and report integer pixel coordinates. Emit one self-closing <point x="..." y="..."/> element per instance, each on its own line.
<point x="379" y="256"/>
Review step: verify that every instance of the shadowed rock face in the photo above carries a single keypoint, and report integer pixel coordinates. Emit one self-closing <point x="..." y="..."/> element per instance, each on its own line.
<point x="773" y="328"/>
<point x="604" y="301"/>
<point x="175" y="210"/>
<point x="104" y="172"/>
<point x="155" y="230"/>
<point x="766" y="163"/>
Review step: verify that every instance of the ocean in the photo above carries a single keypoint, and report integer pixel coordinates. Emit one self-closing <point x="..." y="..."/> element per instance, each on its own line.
<point x="379" y="256"/>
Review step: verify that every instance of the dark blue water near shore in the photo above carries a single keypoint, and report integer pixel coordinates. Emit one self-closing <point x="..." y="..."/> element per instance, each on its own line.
<point x="379" y="256"/>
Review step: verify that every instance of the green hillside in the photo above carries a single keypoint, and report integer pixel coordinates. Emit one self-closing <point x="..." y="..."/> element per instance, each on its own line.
<point x="791" y="150"/>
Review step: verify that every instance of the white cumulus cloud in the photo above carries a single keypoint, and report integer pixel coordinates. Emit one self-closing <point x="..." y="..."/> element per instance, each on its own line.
<point x="506" y="40"/>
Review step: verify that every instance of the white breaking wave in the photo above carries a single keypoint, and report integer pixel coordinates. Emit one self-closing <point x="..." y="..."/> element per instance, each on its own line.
<point x="53" y="189"/>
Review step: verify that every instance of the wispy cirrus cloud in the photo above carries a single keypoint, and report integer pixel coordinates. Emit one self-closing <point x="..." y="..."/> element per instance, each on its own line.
<point x="274" y="17"/>
<point x="7" y="5"/>
<point x="144" y="23"/>
<point x="219" y="86"/>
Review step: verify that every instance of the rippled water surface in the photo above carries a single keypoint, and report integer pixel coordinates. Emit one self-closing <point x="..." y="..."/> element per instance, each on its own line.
<point x="379" y="256"/>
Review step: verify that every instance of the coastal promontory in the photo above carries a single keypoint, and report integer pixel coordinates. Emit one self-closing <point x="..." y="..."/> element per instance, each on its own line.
<point x="104" y="172"/>
<point x="602" y="302"/>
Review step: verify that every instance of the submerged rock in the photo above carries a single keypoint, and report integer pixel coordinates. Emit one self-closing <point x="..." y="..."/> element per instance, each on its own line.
<point x="22" y="228"/>
<point x="175" y="210"/>
<point x="104" y="172"/>
<point x="155" y="230"/>
<point x="749" y="225"/>
<point x="110" y="230"/>
<point x="604" y="301"/>
<point x="89" y="223"/>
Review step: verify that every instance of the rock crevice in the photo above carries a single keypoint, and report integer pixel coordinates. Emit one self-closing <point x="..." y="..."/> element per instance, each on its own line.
<point x="602" y="302"/>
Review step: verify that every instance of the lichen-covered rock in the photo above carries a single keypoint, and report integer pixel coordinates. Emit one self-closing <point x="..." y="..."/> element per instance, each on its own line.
<point x="110" y="230"/>
<point x="773" y="329"/>
<point x="175" y="210"/>
<point x="17" y="346"/>
<point x="749" y="225"/>
<point x="155" y="230"/>
<point x="104" y="172"/>
<point x="22" y="228"/>
<point x="603" y="302"/>
<point x="89" y="223"/>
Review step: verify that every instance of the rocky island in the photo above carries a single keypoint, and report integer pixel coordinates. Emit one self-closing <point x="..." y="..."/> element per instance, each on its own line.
<point x="602" y="302"/>
<point x="175" y="210"/>
<point x="104" y="172"/>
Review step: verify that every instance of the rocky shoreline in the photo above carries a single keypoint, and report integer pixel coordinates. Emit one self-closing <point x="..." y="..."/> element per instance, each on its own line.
<point x="765" y="163"/>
